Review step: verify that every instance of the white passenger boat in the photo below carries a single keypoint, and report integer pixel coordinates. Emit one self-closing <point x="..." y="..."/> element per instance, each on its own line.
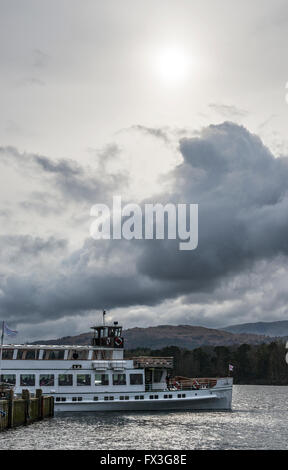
<point x="98" y="378"/>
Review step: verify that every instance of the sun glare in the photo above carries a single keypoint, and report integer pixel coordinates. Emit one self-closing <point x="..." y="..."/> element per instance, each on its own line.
<point x="172" y="65"/>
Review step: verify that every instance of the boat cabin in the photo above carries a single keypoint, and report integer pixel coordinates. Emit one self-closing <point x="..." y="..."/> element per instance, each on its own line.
<point x="108" y="336"/>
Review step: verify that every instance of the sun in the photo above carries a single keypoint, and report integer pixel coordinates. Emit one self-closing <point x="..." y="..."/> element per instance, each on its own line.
<point x="172" y="64"/>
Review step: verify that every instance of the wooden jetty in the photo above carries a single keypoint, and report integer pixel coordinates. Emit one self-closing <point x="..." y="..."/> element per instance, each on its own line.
<point x="18" y="411"/>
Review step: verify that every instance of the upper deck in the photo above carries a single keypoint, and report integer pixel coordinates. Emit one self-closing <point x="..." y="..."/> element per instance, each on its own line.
<point x="46" y="352"/>
<point x="106" y="344"/>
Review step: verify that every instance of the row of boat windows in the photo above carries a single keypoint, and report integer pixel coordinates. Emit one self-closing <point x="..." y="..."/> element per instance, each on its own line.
<point x="54" y="354"/>
<point x="29" y="380"/>
<point x="122" y="397"/>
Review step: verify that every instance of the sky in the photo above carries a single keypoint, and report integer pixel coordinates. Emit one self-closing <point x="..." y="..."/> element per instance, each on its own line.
<point x="169" y="102"/>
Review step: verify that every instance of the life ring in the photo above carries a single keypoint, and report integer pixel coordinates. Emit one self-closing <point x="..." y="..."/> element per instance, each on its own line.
<point x="118" y="341"/>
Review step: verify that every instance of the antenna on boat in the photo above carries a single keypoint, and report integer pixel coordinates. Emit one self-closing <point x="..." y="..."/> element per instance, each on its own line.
<point x="104" y="313"/>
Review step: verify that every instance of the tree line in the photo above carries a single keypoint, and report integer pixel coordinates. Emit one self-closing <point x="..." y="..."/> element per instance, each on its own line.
<point x="263" y="364"/>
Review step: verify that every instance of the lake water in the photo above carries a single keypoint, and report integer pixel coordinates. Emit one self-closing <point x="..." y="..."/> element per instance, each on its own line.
<point x="258" y="421"/>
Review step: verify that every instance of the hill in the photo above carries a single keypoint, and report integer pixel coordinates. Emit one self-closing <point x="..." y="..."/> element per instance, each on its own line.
<point x="157" y="337"/>
<point x="275" y="328"/>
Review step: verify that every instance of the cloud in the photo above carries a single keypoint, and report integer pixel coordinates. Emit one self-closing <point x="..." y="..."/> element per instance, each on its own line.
<point x="228" y="111"/>
<point x="159" y="133"/>
<point x="241" y="189"/>
<point x="40" y="58"/>
<point x="31" y="81"/>
<point x="73" y="181"/>
<point x="14" y="248"/>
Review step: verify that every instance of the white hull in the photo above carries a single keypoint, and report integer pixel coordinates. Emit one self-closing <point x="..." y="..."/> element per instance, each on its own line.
<point x="220" y="399"/>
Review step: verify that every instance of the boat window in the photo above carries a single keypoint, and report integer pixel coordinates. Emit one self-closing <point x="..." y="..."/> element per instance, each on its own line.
<point x="28" y="354"/>
<point x="95" y="398"/>
<point x="136" y="379"/>
<point x="27" y="380"/>
<point x="83" y="379"/>
<point x="158" y="375"/>
<point x="119" y="379"/>
<point x="77" y="355"/>
<point x="46" y="380"/>
<point x="101" y="379"/>
<point x="65" y="380"/>
<point x="7" y="354"/>
<point x="102" y="355"/>
<point x="8" y="379"/>
<point x="104" y="332"/>
<point x="53" y="354"/>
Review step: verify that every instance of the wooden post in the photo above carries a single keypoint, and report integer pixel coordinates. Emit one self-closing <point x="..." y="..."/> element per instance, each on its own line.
<point x="26" y="397"/>
<point x="10" y="399"/>
<point x="40" y="398"/>
<point x="51" y="406"/>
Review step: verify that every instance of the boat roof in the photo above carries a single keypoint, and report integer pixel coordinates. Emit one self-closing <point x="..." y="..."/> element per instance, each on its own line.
<point x="50" y="346"/>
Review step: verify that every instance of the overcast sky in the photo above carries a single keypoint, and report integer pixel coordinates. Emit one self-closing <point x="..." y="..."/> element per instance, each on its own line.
<point x="163" y="101"/>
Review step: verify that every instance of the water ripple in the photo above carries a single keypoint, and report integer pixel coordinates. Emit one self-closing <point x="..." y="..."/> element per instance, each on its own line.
<point x="258" y="421"/>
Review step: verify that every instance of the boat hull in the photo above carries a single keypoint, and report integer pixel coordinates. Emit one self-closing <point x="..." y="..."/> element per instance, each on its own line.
<point x="218" y="400"/>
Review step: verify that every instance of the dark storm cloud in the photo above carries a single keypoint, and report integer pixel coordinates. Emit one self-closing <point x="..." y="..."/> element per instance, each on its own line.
<point x="241" y="190"/>
<point x="77" y="285"/>
<point x="242" y="194"/>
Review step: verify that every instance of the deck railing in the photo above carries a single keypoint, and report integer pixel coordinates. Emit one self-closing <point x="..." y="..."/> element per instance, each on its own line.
<point x="180" y="384"/>
<point x="151" y="362"/>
